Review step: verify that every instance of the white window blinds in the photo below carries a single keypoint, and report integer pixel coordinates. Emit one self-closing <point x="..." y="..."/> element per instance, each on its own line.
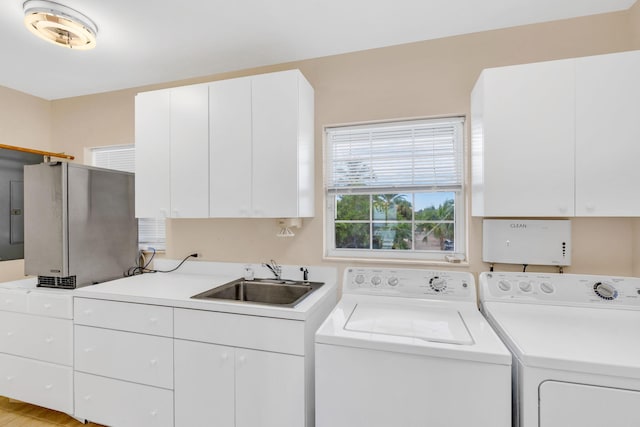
<point x="151" y="231"/>
<point x="400" y="156"/>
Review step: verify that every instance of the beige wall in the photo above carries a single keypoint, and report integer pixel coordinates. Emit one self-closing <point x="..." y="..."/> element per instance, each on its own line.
<point x="430" y="78"/>
<point x="25" y="121"/>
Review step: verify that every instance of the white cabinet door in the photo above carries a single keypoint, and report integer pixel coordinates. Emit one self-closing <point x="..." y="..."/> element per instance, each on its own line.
<point x="230" y="160"/>
<point x="523" y="141"/>
<point x="204" y="384"/>
<point x="152" y="133"/>
<point x="189" y="172"/>
<point x="269" y="389"/>
<point x="121" y="403"/>
<point x="275" y="144"/>
<point x="608" y="135"/>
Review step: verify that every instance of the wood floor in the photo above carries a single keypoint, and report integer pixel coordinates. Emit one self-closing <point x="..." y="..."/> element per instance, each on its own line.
<point x="14" y="413"/>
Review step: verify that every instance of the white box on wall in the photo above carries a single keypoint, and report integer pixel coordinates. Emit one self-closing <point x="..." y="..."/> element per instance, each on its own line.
<point x="531" y="242"/>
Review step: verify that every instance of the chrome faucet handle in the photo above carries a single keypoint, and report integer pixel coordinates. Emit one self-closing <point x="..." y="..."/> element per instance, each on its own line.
<point x="274" y="267"/>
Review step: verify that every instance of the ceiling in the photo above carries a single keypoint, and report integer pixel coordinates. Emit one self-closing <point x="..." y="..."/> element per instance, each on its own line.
<point x="141" y="42"/>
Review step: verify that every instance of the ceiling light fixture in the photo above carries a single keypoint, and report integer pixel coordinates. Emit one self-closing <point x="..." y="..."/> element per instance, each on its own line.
<point x="60" y="24"/>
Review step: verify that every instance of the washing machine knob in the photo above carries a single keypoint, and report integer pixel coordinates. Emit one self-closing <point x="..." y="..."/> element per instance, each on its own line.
<point x="359" y="279"/>
<point x="376" y="280"/>
<point x="438" y="284"/>
<point x="525" y="286"/>
<point x="504" y="285"/>
<point x="392" y="281"/>
<point x="546" y="287"/>
<point x="605" y="291"/>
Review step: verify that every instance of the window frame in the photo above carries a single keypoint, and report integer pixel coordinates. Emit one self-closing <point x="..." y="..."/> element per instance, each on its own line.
<point x="459" y="255"/>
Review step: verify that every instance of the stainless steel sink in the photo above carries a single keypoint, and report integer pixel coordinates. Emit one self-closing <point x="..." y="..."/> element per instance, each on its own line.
<point x="283" y="293"/>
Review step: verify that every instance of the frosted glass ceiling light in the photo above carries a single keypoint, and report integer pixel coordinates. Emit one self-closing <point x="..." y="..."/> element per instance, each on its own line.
<point x="59" y="24"/>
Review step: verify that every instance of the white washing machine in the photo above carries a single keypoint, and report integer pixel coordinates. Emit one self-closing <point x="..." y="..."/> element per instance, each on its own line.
<point x="409" y="348"/>
<point x="576" y="346"/>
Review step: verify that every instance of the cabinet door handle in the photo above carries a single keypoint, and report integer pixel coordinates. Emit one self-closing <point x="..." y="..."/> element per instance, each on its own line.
<point x="88" y="312"/>
<point x="153" y="320"/>
<point x="225" y="356"/>
<point x="88" y="349"/>
<point x="47" y="306"/>
<point x="242" y="360"/>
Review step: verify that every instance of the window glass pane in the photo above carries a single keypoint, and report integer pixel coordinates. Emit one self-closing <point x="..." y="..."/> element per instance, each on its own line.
<point x="352" y="207"/>
<point x="433" y="236"/>
<point x="392" y="207"/>
<point x="435" y="206"/>
<point x="394" y="236"/>
<point x="352" y="235"/>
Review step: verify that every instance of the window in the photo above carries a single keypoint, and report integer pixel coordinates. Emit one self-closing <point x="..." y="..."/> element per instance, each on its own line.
<point x="151" y="231"/>
<point x="395" y="190"/>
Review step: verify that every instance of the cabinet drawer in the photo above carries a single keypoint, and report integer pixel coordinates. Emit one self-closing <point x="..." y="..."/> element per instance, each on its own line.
<point x="13" y="300"/>
<point x="260" y="333"/>
<point x="40" y="383"/>
<point x="146" y="319"/>
<point x="122" y="404"/>
<point x="126" y="356"/>
<point x="36" y="337"/>
<point x="47" y="304"/>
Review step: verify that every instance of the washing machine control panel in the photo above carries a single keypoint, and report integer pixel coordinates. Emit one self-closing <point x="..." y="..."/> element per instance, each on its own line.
<point x="412" y="283"/>
<point x="575" y="289"/>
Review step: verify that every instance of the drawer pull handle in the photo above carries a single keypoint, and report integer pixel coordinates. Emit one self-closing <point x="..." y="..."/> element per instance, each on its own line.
<point x="48" y="340"/>
<point x="153" y="320"/>
<point x="88" y="312"/>
<point x="88" y="349"/>
<point x="48" y="387"/>
<point x="47" y="306"/>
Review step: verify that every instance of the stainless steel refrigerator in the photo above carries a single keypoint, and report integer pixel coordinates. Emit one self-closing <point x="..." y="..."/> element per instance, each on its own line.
<point x="79" y="224"/>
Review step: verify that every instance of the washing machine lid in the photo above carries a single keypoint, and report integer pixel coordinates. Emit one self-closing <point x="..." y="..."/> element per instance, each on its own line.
<point x="579" y="339"/>
<point x="434" y="324"/>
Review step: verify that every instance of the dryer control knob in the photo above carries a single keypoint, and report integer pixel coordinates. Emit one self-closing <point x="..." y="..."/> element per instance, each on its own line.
<point x="546" y="287"/>
<point x="376" y="280"/>
<point x="438" y="284"/>
<point x="525" y="286"/>
<point x="605" y="291"/>
<point x="392" y="281"/>
<point x="504" y="285"/>
<point x="359" y="279"/>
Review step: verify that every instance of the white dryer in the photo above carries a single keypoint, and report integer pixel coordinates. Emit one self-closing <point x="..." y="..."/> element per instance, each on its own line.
<point x="576" y="346"/>
<point x="409" y="348"/>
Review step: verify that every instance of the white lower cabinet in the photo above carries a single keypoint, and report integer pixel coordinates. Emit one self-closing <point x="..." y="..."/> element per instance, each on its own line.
<point x="36" y="347"/>
<point x="122" y="404"/>
<point x="123" y="363"/>
<point x="41" y="383"/>
<point x="227" y="386"/>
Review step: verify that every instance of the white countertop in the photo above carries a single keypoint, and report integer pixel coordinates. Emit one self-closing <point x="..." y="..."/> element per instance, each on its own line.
<point x="176" y="289"/>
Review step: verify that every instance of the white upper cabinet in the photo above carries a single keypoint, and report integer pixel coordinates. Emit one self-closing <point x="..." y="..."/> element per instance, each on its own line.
<point x="608" y="135"/>
<point x="232" y="148"/>
<point x="152" y="133"/>
<point x="172" y="152"/>
<point x="283" y="108"/>
<point x="522" y="140"/>
<point x="558" y="138"/>
<point x="189" y="152"/>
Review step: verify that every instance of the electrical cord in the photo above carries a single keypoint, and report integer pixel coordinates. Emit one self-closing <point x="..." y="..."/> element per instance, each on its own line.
<point x="140" y="270"/>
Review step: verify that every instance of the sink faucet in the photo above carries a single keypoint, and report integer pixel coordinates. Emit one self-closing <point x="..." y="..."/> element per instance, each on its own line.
<point x="274" y="267"/>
